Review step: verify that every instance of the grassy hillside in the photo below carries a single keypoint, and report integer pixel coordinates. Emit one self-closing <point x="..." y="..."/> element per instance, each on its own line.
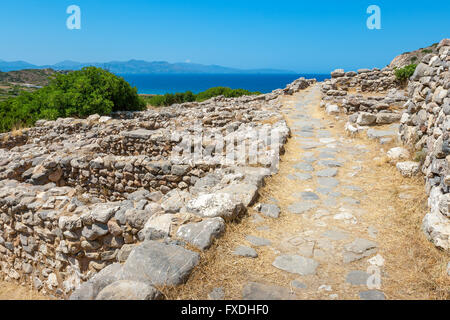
<point x="15" y="82"/>
<point x="413" y="57"/>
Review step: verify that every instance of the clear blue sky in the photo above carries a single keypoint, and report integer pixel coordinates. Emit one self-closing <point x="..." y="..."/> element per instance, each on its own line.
<point x="304" y="36"/>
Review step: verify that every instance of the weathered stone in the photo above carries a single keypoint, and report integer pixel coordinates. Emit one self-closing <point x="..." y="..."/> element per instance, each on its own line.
<point x="94" y="231"/>
<point x="244" y="251"/>
<point x="216" y="294"/>
<point x="216" y="205"/>
<point x="398" y="153"/>
<point x="357" y="278"/>
<point x="257" y="241"/>
<point x="90" y="289"/>
<point x="372" y="295"/>
<point x="157" y="227"/>
<point x="129" y="290"/>
<point x="258" y="291"/>
<point x="202" y="234"/>
<point x="330" y="172"/>
<point x="296" y="264"/>
<point x="408" y="168"/>
<point x="269" y="210"/>
<point x="246" y="193"/>
<point x="301" y="207"/>
<point x="159" y="264"/>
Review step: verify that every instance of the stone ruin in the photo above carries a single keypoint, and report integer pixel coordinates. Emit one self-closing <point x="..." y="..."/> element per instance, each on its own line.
<point x="98" y="207"/>
<point x="425" y="127"/>
<point x="371" y="97"/>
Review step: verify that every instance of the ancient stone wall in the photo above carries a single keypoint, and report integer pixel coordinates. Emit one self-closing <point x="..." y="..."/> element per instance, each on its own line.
<point x="426" y="128"/>
<point x="372" y="97"/>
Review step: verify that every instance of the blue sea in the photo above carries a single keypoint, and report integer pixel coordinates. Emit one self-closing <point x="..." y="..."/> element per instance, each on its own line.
<point x="172" y="83"/>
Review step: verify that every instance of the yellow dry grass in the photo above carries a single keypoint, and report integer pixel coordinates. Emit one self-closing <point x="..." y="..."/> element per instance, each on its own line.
<point x="13" y="291"/>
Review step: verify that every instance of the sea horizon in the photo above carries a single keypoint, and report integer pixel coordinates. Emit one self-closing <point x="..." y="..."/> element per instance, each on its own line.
<point x="173" y="83"/>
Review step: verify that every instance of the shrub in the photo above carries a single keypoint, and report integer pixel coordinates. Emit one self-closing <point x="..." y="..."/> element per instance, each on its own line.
<point x="403" y="74"/>
<point x="169" y="98"/>
<point x="427" y="51"/>
<point x="76" y="94"/>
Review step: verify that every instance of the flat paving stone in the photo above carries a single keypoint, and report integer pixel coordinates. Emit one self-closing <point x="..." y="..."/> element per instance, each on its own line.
<point x="359" y="249"/>
<point x="372" y="295"/>
<point x="296" y="264"/>
<point x="257" y="241"/>
<point x="307" y="196"/>
<point x="329" y="192"/>
<point x="360" y="245"/>
<point x="259" y="291"/>
<point x="244" y="251"/>
<point x="269" y="210"/>
<point x="310" y="159"/>
<point x="330" y="163"/>
<point x="304" y="134"/>
<point x="301" y="207"/>
<point x="303" y="176"/>
<point x="304" y="167"/>
<point x="335" y="235"/>
<point x="327" y="155"/>
<point x="323" y="134"/>
<point x="216" y="294"/>
<point x="330" y="172"/>
<point x="310" y="145"/>
<point x="357" y="278"/>
<point x="298" y="285"/>
<point x="328" y="182"/>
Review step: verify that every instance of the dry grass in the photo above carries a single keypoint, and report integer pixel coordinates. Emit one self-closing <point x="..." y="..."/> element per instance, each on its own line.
<point x="13" y="291"/>
<point x="415" y="268"/>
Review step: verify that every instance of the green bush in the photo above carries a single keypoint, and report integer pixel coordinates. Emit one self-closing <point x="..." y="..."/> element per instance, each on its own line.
<point x="403" y="74"/>
<point x="169" y="98"/>
<point x="427" y="51"/>
<point x="76" y="94"/>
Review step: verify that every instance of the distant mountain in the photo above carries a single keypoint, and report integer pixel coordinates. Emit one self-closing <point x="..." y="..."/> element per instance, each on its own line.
<point x="16" y="65"/>
<point x="140" y="67"/>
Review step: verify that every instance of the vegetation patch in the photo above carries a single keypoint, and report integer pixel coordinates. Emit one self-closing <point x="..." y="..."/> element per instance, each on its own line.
<point x="77" y="94"/>
<point x="403" y="74"/>
<point x="169" y="98"/>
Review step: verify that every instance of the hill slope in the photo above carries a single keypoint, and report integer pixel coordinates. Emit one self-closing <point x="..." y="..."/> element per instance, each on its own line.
<point x="412" y="57"/>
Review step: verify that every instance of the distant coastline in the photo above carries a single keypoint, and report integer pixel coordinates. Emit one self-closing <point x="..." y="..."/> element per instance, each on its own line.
<point x="141" y="67"/>
<point x="172" y="83"/>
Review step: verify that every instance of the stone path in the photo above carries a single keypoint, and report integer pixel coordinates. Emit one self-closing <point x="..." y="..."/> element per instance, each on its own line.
<point x="326" y="206"/>
<point x="311" y="236"/>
